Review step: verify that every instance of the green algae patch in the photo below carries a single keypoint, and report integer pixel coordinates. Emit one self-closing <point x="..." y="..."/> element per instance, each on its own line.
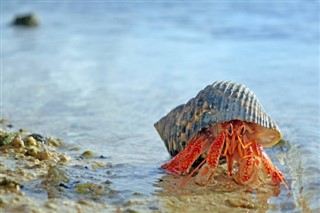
<point x="90" y="188"/>
<point x="56" y="175"/>
<point x="9" y="185"/>
<point x="6" y="138"/>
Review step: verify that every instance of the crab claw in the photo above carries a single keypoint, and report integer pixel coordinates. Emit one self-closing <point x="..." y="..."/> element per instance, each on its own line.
<point x="248" y="168"/>
<point x="183" y="161"/>
<point x="255" y="167"/>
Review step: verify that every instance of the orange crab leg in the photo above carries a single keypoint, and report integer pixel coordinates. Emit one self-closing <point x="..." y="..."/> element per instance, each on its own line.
<point x="212" y="160"/>
<point x="276" y="175"/>
<point x="190" y="175"/>
<point x="182" y="162"/>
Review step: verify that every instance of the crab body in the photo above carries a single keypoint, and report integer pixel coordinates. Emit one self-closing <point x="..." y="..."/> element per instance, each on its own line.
<point x="224" y="120"/>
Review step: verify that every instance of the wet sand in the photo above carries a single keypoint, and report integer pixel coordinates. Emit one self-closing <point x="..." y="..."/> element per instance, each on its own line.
<point x="223" y="194"/>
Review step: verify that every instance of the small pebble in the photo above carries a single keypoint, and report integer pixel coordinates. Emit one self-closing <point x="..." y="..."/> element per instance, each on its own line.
<point x="38" y="137"/>
<point x="108" y="182"/>
<point x="50" y="205"/>
<point x="87" y="154"/>
<point x="44" y="155"/>
<point x="64" y="158"/>
<point x="99" y="165"/>
<point x="27" y="20"/>
<point x="33" y="151"/>
<point x="241" y="203"/>
<point x="17" y="142"/>
<point x="30" y="141"/>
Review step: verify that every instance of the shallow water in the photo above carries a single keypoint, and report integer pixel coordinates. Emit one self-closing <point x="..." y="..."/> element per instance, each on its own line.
<point x="98" y="75"/>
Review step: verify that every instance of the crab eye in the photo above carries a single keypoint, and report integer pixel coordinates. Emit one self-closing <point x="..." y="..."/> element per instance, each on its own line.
<point x="230" y="129"/>
<point x="243" y="130"/>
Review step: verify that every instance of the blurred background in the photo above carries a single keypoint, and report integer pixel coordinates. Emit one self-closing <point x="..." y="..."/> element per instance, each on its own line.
<point x="100" y="74"/>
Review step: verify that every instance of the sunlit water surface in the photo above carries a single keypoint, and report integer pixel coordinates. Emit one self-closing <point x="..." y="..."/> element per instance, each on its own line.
<point x="98" y="75"/>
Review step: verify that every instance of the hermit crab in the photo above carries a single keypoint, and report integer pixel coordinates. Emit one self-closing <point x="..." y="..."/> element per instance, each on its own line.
<point x="225" y="120"/>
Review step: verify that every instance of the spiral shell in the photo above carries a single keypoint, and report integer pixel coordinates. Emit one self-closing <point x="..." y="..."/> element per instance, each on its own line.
<point x="217" y="103"/>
